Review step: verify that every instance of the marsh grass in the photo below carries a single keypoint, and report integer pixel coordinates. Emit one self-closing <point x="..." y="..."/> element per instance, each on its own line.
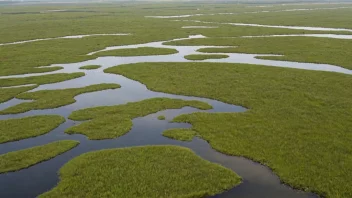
<point x="205" y="56"/>
<point x="90" y="67"/>
<point x="140" y="51"/>
<point x="9" y="93"/>
<point x="114" y="121"/>
<point x="180" y="134"/>
<point x="25" y="58"/>
<point x="148" y="171"/>
<point x="299" y="49"/>
<point x="47" y="99"/>
<point x="21" y="159"/>
<point x="22" y="128"/>
<point x="298" y="122"/>
<point x="39" y="80"/>
<point x="161" y="117"/>
<point x="338" y="18"/>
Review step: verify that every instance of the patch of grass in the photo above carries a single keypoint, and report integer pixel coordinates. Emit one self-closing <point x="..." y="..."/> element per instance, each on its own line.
<point x="180" y="134"/>
<point x="114" y="121"/>
<point x="89" y="67"/>
<point x="140" y="51"/>
<point x="205" y="56"/>
<point x="48" y="99"/>
<point x="39" y="80"/>
<point x="9" y="93"/>
<point x="299" y="49"/>
<point x="218" y="50"/>
<point x="299" y="121"/>
<point x="149" y="171"/>
<point x="21" y="159"/>
<point x="161" y="117"/>
<point x="22" y="128"/>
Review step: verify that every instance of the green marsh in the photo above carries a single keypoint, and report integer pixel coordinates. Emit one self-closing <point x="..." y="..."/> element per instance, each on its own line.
<point x="48" y="99"/>
<point x="22" y="128"/>
<point x="149" y="171"/>
<point x="293" y="114"/>
<point x="114" y="121"/>
<point x="21" y="159"/>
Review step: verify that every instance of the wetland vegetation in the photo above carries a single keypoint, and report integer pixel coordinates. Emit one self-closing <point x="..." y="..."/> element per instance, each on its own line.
<point x="21" y="159"/>
<point x="205" y="56"/>
<point x="287" y="119"/>
<point x="114" y="121"/>
<point x="157" y="171"/>
<point x="297" y="122"/>
<point x="326" y="50"/>
<point x="9" y="93"/>
<point x="140" y="51"/>
<point x="90" y="67"/>
<point x="180" y="134"/>
<point x="48" y="99"/>
<point x="39" y="80"/>
<point x="17" y="129"/>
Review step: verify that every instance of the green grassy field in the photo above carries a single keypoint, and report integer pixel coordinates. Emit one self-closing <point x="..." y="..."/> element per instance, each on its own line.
<point x="90" y="67"/>
<point x="149" y="171"/>
<point x="328" y="51"/>
<point x="180" y="134"/>
<point x="18" y="129"/>
<point x="114" y="121"/>
<point x="140" y="51"/>
<point x="21" y="159"/>
<point x="293" y="114"/>
<point x="47" y="99"/>
<point x="205" y="56"/>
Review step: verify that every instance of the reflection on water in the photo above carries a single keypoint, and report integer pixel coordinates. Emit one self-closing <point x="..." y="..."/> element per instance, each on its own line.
<point x="258" y="180"/>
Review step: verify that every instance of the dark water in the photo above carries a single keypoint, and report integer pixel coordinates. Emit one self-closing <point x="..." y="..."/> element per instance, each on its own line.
<point x="258" y="180"/>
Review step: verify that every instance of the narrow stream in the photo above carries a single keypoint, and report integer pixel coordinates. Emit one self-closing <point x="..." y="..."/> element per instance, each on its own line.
<point x="276" y="26"/>
<point x="258" y="180"/>
<point x="62" y="37"/>
<point x="253" y="12"/>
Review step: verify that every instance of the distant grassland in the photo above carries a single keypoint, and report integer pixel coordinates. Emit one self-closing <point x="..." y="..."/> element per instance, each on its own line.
<point x="148" y="171"/>
<point x="298" y="122"/>
<point x="29" y="23"/>
<point x="339" y="18"/>
<point x="140" y="51"/>
<point x="300" y="49"/>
